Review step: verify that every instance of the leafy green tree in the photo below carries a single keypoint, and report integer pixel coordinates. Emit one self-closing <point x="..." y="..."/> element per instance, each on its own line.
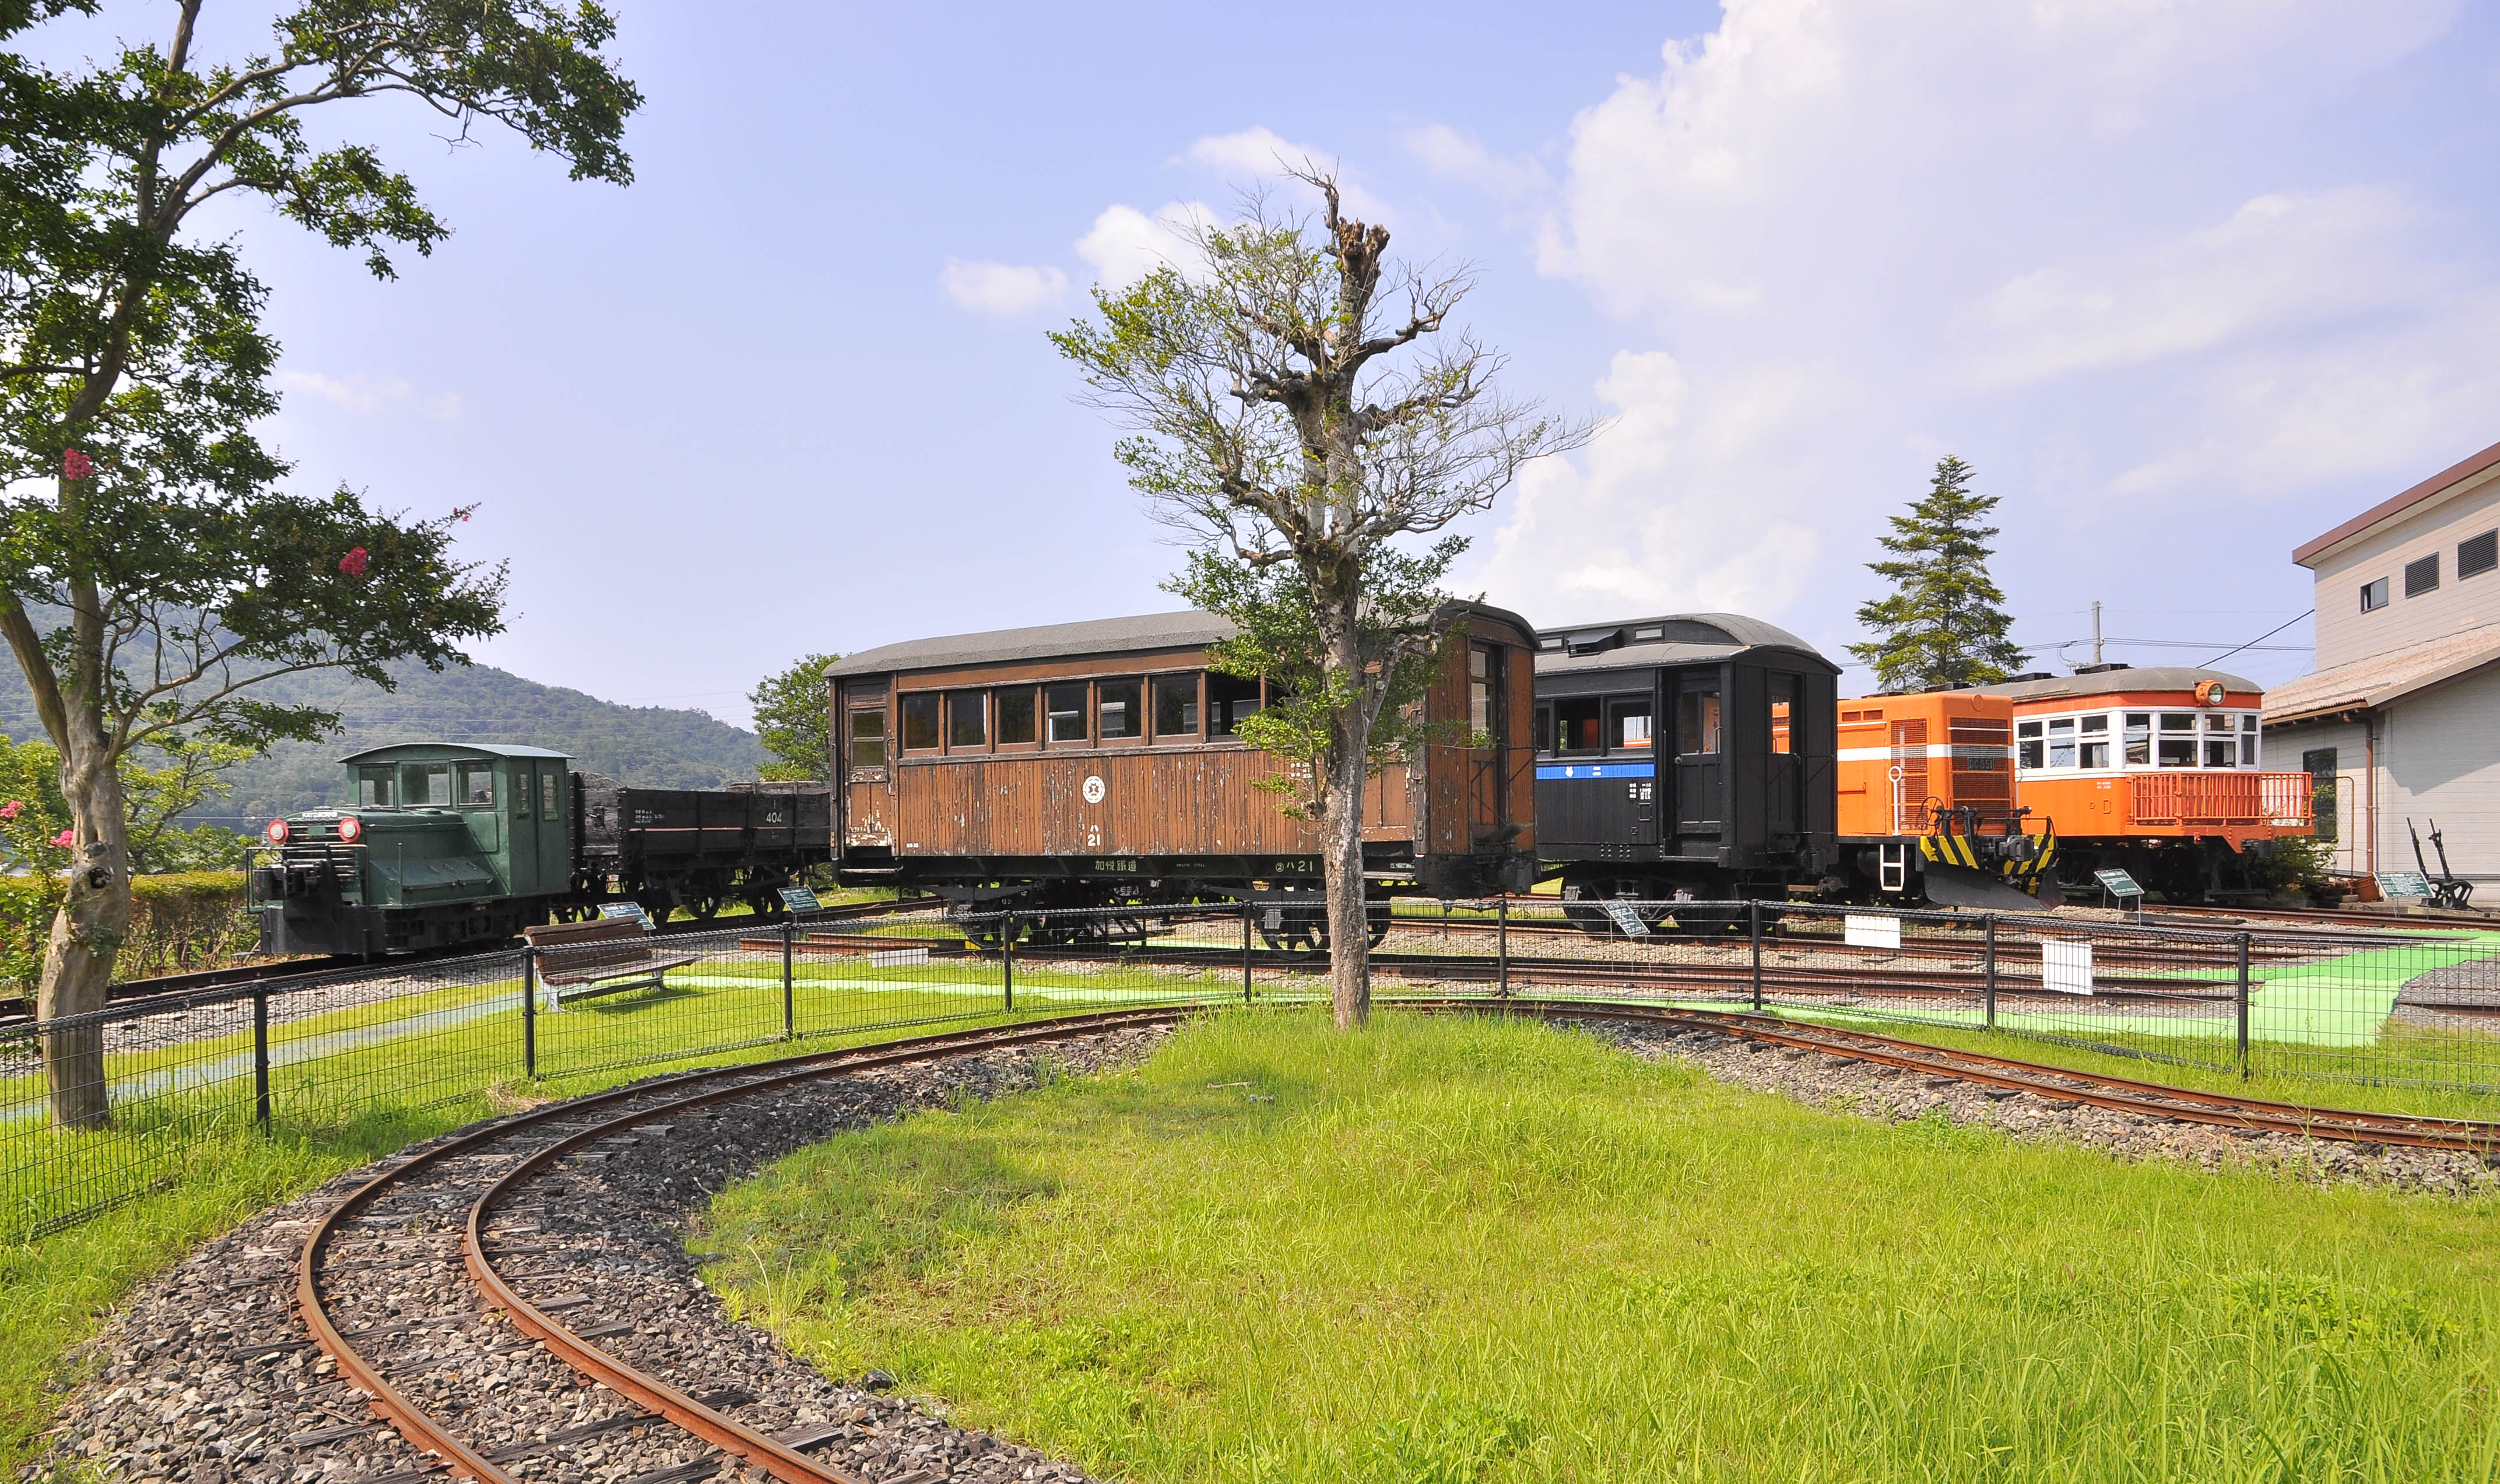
<point x="1945" y="621"/>
<point x="1273" y="425"/>
<point x="165" y="573"/>
<point x="793" y="720"/>
<point x="37" y="833"/>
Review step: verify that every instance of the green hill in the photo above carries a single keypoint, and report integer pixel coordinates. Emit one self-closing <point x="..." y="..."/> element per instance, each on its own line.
<point x="652" y="746"/>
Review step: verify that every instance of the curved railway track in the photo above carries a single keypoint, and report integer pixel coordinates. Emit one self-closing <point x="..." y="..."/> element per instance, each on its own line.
<point x="451" y="1271"/>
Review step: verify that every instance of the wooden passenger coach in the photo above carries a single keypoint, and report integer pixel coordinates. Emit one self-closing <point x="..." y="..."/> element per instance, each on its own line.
<point x="1100" y="764"/>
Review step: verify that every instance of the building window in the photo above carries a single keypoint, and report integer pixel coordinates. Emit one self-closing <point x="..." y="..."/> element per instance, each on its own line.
<point x="868" y="737"/>
<point x="2138" y="736"/>
<point x="920" y="722"/>
<point x="2029" y="751"/>
<point x="2319" y="765"/>
<point x="2374" y="596"/>
<point x="1064" y="709"/>
<point x="2421" y="576"/>
<point x="1013" y="714"/>
<point x="1119" y="708"/>
<point x="1175" y="708"/>
<point x="1230" y="702"/>
<point x="2476" y="555"/>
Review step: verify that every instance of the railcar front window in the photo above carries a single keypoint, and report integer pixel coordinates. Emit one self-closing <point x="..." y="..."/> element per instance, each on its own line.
<point x="920" y="722"/>
<point x="1120" y="703"/>
<point x="1577" y="723"/>
<point x="2247" y="739"/>
<point x="1229" y="701"/>
<point x="1628" y="731"/>
<point x="2222" y="752"/>
<point x="1064" y="708"/>
<point x="2138" y="737"/>
<point x="376" y="788"/>
<point x="1177" y="708"/>
<point x="426" y="785"/>
<point x="1696" y="722"/>
<point x="868" y="737"/>
<point x="1016" y="718"/>
<point x="967" y="720"/>
<point x="2178" y="751"/>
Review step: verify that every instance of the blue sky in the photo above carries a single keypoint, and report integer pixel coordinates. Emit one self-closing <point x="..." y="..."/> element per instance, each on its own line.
<point x="2187" y="282"/>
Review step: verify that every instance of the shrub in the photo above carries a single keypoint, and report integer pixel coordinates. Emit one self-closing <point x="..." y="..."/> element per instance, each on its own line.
<point x="192" y="919"/>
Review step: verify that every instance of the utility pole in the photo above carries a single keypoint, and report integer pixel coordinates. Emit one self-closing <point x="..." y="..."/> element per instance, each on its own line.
<point x="2097" y="631"/>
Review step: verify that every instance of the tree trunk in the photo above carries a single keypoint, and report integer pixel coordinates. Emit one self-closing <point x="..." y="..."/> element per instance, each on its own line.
<point x="88" y="930"/>
<point x="1341" y="830"/>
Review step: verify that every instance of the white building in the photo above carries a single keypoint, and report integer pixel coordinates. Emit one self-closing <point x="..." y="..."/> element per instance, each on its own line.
<point x="2400" y="723"/>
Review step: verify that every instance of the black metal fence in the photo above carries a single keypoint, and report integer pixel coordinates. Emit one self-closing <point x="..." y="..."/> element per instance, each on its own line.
<point x="307" y="1056"/>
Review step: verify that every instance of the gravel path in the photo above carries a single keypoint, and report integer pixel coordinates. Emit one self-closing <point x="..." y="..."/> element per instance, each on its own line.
<point x="207" y="1379"/>
<point x="1895" y="1096"/>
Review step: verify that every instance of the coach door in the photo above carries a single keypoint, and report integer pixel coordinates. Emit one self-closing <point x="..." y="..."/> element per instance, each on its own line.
<point x="867" y="773"/>
<point x="1699" y="737"/>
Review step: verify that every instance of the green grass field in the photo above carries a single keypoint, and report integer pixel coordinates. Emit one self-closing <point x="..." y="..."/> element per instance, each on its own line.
<point x="1449" y="1250"/>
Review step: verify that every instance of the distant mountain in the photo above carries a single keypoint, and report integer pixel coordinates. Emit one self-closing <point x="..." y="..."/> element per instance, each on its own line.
<point x="652" y="746"/>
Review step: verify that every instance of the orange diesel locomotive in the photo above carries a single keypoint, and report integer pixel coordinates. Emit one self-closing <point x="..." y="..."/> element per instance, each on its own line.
<point x="2030" y="784"/>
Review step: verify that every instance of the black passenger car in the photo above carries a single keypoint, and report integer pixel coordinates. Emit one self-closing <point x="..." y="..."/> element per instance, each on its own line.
<point x="1688" y="755"/>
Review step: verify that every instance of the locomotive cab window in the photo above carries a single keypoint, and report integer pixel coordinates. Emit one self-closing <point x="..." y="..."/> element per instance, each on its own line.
<point x="868" y="737"/>
<point x="426" y="785"/>
<point x="1696" y="722"/>
<point x="477" y="786"/>
<point x="1627" y="726"/>
<point x="376" y="787"/>
<point x="1016" y="716"/>
<point x="546" y="795"/>
<point x="920" y="722"/>
<point x="1064" y="708"/>
<point x="1119" y="709"/>
<point x="1229" y="701"/>
<point x="1175" y="708"/>
<point x="967" y="720"/>
<point x="1576" y="725"/>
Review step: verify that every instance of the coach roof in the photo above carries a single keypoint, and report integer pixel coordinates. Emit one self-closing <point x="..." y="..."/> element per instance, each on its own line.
<point x="2151" y="679"/>
<point x="1675" y="638"/>
<point x="1189" y="628"/>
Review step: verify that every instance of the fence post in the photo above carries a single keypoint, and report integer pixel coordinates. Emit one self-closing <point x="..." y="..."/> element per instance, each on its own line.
<point x="260" y="1053"/>
<point x="2243" y="1006"/>
<point x="1753" y="912"/>
<point x="530" y="1012"/>
<point x="1502" y="940"/>
<point x="789" y="985"/>
<point x="1006" y="959"/>
<point x="1247" y="908"/>
<point x="1988" y="971"/>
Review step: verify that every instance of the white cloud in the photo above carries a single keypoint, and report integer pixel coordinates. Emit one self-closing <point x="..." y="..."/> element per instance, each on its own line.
<point x="358" y="393"/>
<point x="1449" y="153"/>
<point x="1262" y="156"/>
<point x="1002" y="288"/>
<point x="1125" y="244"/>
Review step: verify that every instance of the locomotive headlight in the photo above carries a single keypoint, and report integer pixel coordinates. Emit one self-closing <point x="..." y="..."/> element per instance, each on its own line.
<point x="277" y="831"/>
<point x="351" y="830"/>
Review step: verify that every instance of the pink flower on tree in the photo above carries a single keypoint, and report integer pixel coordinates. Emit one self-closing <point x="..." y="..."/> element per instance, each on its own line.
<point x="75" y="465"/>
<point x="66" y="838"/>
<point x="353" y="563"/>
<point x="11" y="810"/>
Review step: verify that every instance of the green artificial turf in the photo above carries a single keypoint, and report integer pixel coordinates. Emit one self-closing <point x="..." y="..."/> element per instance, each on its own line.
<point x="1450" y="1250"/>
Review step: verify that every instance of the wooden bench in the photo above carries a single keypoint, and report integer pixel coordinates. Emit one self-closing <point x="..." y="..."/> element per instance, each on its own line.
<point x="599" y="958"/>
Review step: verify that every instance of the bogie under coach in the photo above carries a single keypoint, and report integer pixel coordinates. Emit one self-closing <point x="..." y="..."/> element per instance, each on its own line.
<point x="1101" y="765"/>
<point x="1681" y="758"/>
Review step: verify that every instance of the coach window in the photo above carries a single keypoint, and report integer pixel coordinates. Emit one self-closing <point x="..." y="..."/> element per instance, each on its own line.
<point x="967" y="720"/>
<point x="920" y="722"/>
<point x="2139" y="739"/>
<point x="1627" y="726"/>
<point x="1696" y="722"/>
<point x="867" y="736"/>
<point x="2178" y="751"/>
<point x="1576" y="725"/>
<point x="2092" y="749"/>
<point x="373" y="788"/>
<point x="1064" y="712"/>
<point x="1229" y="701"/>
<point x="1784" y="710"/>
<point x="1175" y="708"/>
<point x="2029" y="751"/>
<point x="1120" y="710"/>
<point x="1015" y="721"/>
<point x="426" y="785"/>
<point x="2061" y="742"/>
<point x="1486" y="673"/>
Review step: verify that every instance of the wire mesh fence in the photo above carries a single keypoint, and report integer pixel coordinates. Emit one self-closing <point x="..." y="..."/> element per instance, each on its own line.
<point x="309" y="1055"/>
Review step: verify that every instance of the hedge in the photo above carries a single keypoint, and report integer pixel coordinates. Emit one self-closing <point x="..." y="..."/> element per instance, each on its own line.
<point x="192" y="919"/>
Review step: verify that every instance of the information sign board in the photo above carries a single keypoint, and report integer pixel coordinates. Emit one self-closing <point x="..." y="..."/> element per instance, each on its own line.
<point x="2118" y="883"/>
<point x="2404" y="886"/>
<point x="1628" y="918"/>
<point x="1870" y="929"/>
<point x="801" y="899"/>
<point x="2066" y="966"/>
<point x="632" y="910"/>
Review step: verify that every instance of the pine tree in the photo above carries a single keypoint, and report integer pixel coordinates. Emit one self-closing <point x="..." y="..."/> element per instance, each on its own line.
<point x="1945" y="623"/>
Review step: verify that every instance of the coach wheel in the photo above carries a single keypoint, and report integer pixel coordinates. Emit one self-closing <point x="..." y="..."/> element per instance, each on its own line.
<point x="1292" y="927"/>
<point x="990" y="931"/>
<point x="702" y="909"/>
<point x="1378" y="917"/>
